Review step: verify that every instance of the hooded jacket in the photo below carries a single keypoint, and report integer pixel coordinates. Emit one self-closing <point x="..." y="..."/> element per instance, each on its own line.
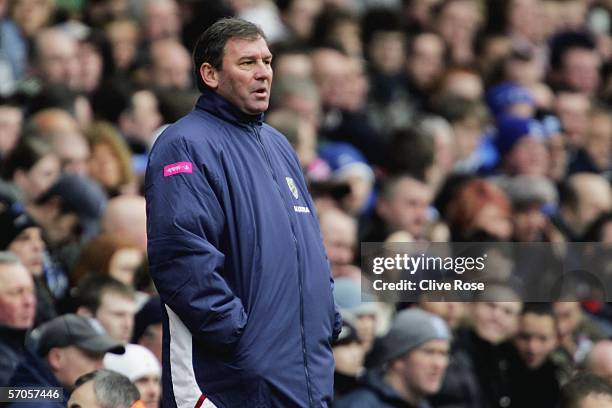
<point x="236" y="254"/>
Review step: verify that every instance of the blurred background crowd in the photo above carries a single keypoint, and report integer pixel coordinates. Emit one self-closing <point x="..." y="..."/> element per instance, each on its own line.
<point x="413" y="120"/>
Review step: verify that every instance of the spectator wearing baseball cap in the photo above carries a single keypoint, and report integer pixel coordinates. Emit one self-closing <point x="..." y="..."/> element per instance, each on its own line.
<point x="408" y="363"/>
<point x="60" y="351"/>
<point x="142" y="368"/>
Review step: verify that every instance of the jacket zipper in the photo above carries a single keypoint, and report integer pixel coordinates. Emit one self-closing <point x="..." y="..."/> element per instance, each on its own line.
<point x="265" y="153"/>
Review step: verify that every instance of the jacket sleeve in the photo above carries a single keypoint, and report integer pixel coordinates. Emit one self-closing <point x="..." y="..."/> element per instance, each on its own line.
<point x="185" y="224"/>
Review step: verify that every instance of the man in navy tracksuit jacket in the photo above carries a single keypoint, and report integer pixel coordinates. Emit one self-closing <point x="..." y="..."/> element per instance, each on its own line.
<point x="234" y="244"/>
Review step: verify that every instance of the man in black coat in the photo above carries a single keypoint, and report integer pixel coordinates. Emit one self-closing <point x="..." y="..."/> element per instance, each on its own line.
<point x="17" y="312"/>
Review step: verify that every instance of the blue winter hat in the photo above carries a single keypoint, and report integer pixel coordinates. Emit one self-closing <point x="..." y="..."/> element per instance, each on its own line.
<point x="511" y="129"/>
<point x="344" y="158"/>
<point x="501" y="97"/>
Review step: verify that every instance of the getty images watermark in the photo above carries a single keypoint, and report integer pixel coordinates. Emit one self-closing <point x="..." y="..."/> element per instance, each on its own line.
<point x="410" y="264"/>
<point x="534" y="272"/>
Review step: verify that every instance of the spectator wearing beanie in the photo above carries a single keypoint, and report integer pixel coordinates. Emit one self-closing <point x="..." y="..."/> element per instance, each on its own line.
<point x="408" y="364"/>
<point x="521" y="146"/>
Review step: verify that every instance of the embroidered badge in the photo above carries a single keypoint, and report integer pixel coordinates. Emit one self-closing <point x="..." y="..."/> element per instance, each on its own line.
<point x="176" y="168"/>
<point x="292" y="187"/>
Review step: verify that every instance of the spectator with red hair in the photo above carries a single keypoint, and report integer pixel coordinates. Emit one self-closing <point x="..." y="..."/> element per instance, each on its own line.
<point x="479" y="211"/>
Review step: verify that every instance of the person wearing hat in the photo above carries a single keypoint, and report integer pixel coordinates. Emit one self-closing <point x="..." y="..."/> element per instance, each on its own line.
<point x="348" y="295"/>
<point x="408" y="364"/>
<point x="148" y="326"/>
<point x="521" y="145"/>
<point x="70" y="210"/>
<point x="509" y="98"/>
<point x="349" y="357"/>
<point x="533" y="198"/>
<point x="142" y="368"/>
<point x="59" y="352"/>
<point x="20" y="235"/>
<point x="349" y="165"/>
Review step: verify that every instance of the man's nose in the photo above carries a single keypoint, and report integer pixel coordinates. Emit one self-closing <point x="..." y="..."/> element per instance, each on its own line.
<point x="263" y="71"/>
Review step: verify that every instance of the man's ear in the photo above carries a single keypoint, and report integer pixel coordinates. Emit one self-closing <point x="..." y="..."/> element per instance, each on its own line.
<point x="54" y="358"/>
<point x="209" y="75"/>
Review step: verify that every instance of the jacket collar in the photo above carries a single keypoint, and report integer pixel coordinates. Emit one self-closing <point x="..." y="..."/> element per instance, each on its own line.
<point x="375" y="381"/>
<point x="217" y="105"/>
<point x="13" y="338"/>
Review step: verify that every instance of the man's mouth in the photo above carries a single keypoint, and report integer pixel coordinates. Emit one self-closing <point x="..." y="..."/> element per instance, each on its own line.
<point x="263" y="91"/>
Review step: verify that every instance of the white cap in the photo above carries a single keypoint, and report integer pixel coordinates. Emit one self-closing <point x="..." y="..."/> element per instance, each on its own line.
<point x="137" y="362"/>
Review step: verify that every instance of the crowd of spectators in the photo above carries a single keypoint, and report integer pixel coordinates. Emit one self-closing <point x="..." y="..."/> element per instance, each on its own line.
<point x="413" y="120"/>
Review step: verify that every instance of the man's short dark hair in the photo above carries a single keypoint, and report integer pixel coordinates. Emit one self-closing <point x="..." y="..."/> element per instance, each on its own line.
<point x="92" y="288"/>
<point x="539" y="309"/>
<point x="210" y="47"/>
<point x="112" y="390"/>
<point x="580" y="387"/>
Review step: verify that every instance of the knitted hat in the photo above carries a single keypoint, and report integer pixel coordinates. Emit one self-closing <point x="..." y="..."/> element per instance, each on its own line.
<point x="511" y="129"/>
<point x="501" y="97"/>
<point x="410" y="329"/>
<point x="13" y="221"/>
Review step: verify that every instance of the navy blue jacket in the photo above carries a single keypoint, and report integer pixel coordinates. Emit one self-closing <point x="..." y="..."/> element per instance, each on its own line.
<point x="33" y="371"/>
<point x="236" y="254"/>
<point x="375" y="393"/>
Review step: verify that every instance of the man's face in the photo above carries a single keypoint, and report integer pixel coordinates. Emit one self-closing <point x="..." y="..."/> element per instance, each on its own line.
<point x="73" y="151"/>
<point x="569" y="316"/>
<point x="39" y="178"/>
<point x="116" y="313"/>
<point x="152" y="339"/>
<point x="427" y="60"/>
<point x="529" y="223"/>
<point x="529" y="156"/>
<point x="536" y="339"/>
<point x="246" y="76"/>
<point x="150" y="390"/>
<point x="496" y="321"/>
<point x="17" y="299"/>
<point x="406" y="208"/>
<point x="11" y="119"/>
<point x="84" y="396"/>
<point x="144" y="117"/>
<point x="29" y="247"/>
<point x="58" y="62"/>
<point x="69" y="363"/>
<point x="596" y="401"/>
<point x="425" y="367"/>
<point x="581" y="70"/>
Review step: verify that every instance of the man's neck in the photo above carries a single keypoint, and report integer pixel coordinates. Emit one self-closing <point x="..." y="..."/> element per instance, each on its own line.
<point x="397" y="383"/>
